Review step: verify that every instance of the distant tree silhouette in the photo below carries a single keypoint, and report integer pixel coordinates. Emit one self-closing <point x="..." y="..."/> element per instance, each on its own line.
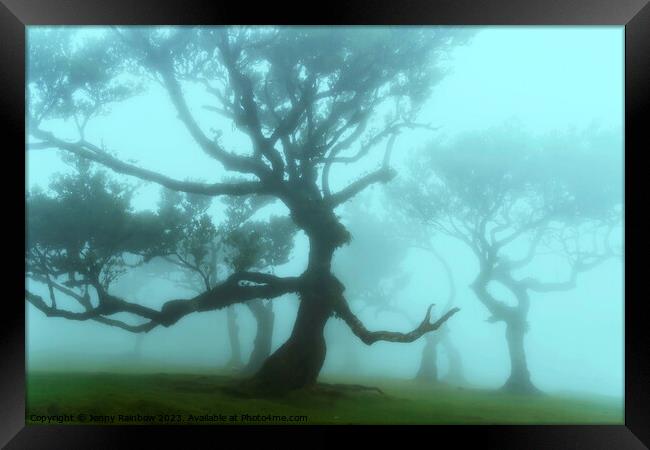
<point x="553" y="196"/>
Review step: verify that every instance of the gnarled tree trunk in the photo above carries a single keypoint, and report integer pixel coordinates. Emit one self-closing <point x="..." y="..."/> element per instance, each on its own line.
<point x="298" y="361"/>
<point x="519" y="380"/>
<point x="516" y="326"/>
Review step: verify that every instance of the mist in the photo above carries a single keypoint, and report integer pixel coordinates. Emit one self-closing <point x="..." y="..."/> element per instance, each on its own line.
<point x="551" y="92"/>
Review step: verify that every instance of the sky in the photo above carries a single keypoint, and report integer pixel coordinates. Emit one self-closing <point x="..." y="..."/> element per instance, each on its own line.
<point x="543" y="79"/>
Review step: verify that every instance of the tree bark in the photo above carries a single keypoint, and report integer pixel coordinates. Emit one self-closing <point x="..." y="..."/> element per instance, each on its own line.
<point x="298" y="361"/>
<point x="265" y="319"/>
<point x="519" y="380"/>
<point x="516" y="326"/>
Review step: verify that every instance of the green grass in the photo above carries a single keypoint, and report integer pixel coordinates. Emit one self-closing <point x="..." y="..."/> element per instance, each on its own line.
<point x="403" y="401"/>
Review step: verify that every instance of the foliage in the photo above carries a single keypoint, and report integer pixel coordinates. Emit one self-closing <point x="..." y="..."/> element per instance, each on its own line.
<point x="75" y="74"/>
<point x="491" y="188"/>
<point x="86" y="226"/>
<point x="309" y="90"/>
<point x="192" y="231"/>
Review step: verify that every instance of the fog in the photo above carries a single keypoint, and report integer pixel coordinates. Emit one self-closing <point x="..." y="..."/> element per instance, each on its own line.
<point x="503" y="84"/>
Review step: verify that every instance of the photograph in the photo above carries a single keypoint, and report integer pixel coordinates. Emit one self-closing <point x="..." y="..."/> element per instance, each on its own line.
<point x="324" y="225"/>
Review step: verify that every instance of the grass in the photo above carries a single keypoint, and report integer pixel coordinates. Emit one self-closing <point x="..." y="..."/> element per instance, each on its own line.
<point x="403" y="402"/>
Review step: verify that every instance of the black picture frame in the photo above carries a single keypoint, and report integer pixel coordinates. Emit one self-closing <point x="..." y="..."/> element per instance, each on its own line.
<point x="15" y="15"/>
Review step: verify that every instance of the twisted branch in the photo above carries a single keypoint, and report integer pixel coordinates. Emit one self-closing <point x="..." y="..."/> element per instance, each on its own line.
<point x="240" y="287"/>
<point x="370" y="337"/>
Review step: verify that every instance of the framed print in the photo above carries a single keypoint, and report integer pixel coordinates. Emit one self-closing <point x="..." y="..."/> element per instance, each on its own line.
<point x="369" y="216"/>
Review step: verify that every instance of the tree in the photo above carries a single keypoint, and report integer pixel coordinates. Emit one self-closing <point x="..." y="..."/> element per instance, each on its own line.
<point x="240" y="243"/>
<point x="307" y="99"/>
<point x="86" y="230"/>
<point x="82" y="238"/>
<point x="513" y="200"/>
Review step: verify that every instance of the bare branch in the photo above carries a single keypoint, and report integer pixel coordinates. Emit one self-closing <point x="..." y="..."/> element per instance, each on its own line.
<point x="578" y="267"/>
<point x="230" y="161"/>
<point x="89" y="314"/>
<point x="370" y="337"/>
<point x="94" y="153"/>
<point x="248" y="116"/>
<point x="374" y="140"/>
<point x="382" y="175"/>
<point x="532" y="251"/>
<point x="229" y="292"/>
<point x="69" y="292"/>
<point x="143" y="328"/>
<point x="51" y="311"/>
<point x="182" y="262"/>
<point x="521" y="230"/>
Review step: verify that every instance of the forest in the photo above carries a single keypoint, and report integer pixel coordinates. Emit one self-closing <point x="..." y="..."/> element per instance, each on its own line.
<point x="324" y="225"/>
